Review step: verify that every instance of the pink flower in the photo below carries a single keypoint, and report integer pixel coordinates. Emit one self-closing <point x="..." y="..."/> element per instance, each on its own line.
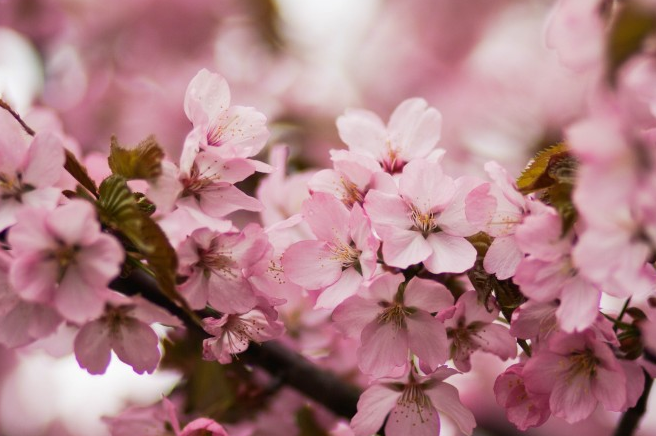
<point x="548" y="272"/>
<point x="412" y="133"/>
<point x="343" y="255"/>
<point x="124" y="328"/>
<point x="471" y="328"/>
<point x="577" y="372"/>
<point x="350" y="179"/>
<point x="523" y="409"/>
<point x="414" y="406"/>
<point x="394" y="319"/>
<point x="424" y="222"/>
<point x="506" y="210"/>
<point x="62" y="258"/>
<point x="204" y="182"/>
<point x="28" y="171"/>
<point x="233" y="333"/>
<point x="229" y="131"/>
<point x="216" y="266"/>
<point x="21" y="322"/>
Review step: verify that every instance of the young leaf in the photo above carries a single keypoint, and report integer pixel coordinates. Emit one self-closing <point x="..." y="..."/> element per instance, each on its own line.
<point x="540" y="172"/>
<point x="79" y="173"/>
<point x="118" y="210"/>
<point x="141" y="162"/>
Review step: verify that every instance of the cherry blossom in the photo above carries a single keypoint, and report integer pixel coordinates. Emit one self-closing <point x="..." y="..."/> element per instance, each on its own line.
<point x="414" y="406"/>
<point x="394" y="318"/>
<point x="62" y="258"/>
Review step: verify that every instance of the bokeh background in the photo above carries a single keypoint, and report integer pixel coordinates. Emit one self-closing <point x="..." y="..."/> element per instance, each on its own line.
<point x="98" y="68"/>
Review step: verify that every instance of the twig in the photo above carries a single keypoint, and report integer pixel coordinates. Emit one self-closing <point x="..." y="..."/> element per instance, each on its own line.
<point x="631" y="418"/>
<point x="291" y="368"/>
<point x="4" y="105"/>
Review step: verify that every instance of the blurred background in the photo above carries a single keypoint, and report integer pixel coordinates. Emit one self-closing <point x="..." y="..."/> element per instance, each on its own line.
<point x="121" y="67"/>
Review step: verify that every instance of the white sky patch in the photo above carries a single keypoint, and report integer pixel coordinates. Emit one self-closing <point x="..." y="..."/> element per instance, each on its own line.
<point x="21" y="72"/>
<point x="43" y="389"/>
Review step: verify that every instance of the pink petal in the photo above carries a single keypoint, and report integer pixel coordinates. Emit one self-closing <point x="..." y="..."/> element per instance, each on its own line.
<point x="221" y="199"/>
<point x="373" y="406"/>
<point x="75" y="300"/>
<point x="33" y="277"/>
<point x="385" y="286"/>
<point x="424" y="185"/>
<point x="572" y="399"/>
<point x="212" y="167"/>
<point x="608" y="387"/>
<point x="579" y="305"/>
<point x="410" y="418"/>
<point x="135" y="343"/>
<point x="415" y="128"/>
<point x="362" y="131"/>
<point x="427" y="295"/>
<point x="74" y="223"/>
<point x="207" y="95"/>
<point x="92" y="347"/>
<point x="345" y="287"/>
<point x="446" y="400"/>
<point x="45" y="161"/>
<point x="311" y="264"/>
<point x="402" y="248"/>
<point x="449" y="254"/>
<point x="502" y="257"/>
<point x="384" y="349"/>
<point x="354" y="314"/>
<point x="496" y="339"/>
<point x="427" y="339"/>
<point x="386" y="209"/>
<point x="230" y="292"/>
<point x="328" y="218"/>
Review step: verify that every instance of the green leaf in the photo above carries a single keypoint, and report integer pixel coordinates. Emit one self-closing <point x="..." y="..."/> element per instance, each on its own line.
<point x="630" y="28"/>
<point x="79" y="173"/>
<point x="545" y="167"/>
<point x="119" y="210"/>
<point x="141" y="162"/>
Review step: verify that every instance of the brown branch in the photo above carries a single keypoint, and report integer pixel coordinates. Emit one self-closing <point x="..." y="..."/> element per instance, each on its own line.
<point x="288" y="366"/>
<point x="4" y="105"/>
<point x="631" y="418"/>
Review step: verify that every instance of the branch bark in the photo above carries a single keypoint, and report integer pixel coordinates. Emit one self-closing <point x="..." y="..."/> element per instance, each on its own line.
<point x="290" y="367"/>
<point x="631" y="418"/>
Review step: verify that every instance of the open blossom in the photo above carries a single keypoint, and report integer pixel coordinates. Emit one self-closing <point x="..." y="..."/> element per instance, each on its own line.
<point x="62" y="258"/>
<point x="344" y="253"/>
<point x="548" y="272"/>
<point x="124" y="328"/>
<point x="394" y="319"/>
<point x="414" y="406"/>
<point x="577" y="371"/>
<point x="351" y="178"/>
<point x="204" y="182"/>
<point x="216" y="266"/>
<point x="500" y="221"/>
<point x="425" y="221"/>
<point x="523" y="409"/>
<point x="471" y="328"/>
<point x="412" y="133"/>
<point x="233" y="333"/>
<point x="22" y="322"/>
<point x="28" y="171"/>
<point x="225" y="130"/>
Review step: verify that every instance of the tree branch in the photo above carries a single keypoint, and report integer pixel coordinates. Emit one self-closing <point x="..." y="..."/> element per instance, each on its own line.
<point x="631" y="418"/>
<point x="290" y="367"/>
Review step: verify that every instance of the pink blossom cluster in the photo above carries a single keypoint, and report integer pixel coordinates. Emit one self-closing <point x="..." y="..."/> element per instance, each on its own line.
<point x="385" y="268"/>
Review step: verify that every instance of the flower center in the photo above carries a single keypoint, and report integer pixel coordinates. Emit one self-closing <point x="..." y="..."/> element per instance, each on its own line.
<point x="415" y="401"/>
<point x="583" y="363"/>
<point x="394" y="313"/>
<point x="424" y="222"/>
<point x="352" y="194"/>
<point x="346" y="254"/>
